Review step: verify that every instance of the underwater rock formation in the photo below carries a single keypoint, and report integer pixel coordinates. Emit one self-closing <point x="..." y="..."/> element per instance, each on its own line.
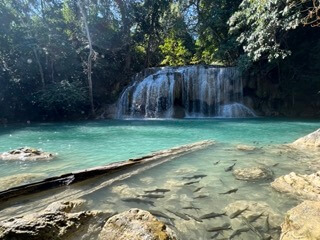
<point x="299" y="186"/>
<point x="26" y="154"/>
<point x="135" y="224"/>
<point x="302" y="222"/>
<point x="253" y="174"/>
<point x="246" y="148"/>
<point x="57" y="221"/>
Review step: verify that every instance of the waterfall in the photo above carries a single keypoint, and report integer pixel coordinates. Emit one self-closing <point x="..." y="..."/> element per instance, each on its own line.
<point x="189" y="91"/>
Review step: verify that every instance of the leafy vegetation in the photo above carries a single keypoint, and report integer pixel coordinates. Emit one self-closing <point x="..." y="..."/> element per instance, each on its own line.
<point x="70" y="57"/>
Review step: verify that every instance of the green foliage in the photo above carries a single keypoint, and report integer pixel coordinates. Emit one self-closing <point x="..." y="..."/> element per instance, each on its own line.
<point x="214" y="43"/>
<point x="62" y="97"/>
<point x="261" y="26"/>
<point x="44" y="50"/>
<point x="175" y="53"/>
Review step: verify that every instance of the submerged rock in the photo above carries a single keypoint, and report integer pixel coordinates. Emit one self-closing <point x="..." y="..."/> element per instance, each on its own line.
<point x="26" y="154"/>
<point x="246" y="148"/>
<point x="135" y="224"/>
<point x="57" y="221"/>
<point x="124" y="190"/>
<point x="312" y="140"/>
<point x="299" y="186"/>
<point x="302" y="222"/>
<point x="251" y="219"/>
<point x="18" y="179"/>
<point x="253" y="174"/>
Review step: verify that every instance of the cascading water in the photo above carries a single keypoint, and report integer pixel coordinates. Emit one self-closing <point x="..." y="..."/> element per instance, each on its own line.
<point x="190" y="91"/>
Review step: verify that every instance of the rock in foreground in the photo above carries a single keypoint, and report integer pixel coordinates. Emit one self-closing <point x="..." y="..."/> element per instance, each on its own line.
<point x="26" y="154"/>
<point x="299" y="186"/>
<point x="135" y="224"/>
<point x="312" y="140"/>
<point x="253" y="174"/>
<point x="302" y="222"/>
<point x="57" y="221"/>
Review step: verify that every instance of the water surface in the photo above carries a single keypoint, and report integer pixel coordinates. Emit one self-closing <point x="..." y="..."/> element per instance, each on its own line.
<point x="82" y="145"/>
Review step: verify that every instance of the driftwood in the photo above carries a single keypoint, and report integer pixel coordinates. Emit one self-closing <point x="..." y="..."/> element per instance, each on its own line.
<point x="71" y="178"/>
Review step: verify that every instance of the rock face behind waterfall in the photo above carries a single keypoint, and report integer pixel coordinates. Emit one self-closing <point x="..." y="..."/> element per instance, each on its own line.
<point x="189" y="91"/>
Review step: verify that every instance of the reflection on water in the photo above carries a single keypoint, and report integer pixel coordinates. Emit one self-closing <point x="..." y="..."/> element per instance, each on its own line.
<point x="196" y="194"/>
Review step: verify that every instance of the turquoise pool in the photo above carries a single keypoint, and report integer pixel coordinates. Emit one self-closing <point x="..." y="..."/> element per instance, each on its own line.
<point x="82" y="145"/>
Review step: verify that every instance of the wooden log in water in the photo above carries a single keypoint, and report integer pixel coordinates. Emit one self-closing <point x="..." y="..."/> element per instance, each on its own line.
<point x="71" y="178"/>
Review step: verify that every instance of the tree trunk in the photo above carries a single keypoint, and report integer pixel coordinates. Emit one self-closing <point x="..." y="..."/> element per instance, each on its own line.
<point x="126" y="30"/>
<point x="40" y="67"/>
<point x="147" y="62"/>
<point x="52" y="70"/>
<point x="90" y="56"/>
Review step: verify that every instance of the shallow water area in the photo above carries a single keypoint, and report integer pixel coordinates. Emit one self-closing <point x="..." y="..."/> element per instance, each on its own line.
<point x="195" y="184"/>
<point x="191" y="186"/>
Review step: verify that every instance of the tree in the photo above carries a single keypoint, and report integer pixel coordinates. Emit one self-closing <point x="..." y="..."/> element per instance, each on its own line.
<point x="214" y="44"/>
<point x="91" y="55"/>
<point x="148" y="15"/>
<point x="262" y="26"/>
<point x="62" y="98"/>
<point x="175" y="53"/>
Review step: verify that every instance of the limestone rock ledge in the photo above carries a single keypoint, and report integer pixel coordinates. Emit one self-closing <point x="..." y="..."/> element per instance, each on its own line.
<point x="302" y="222"/>
<point x="68" y="221"/>
<point x="312" y="140"/>
<point x="135" y="224"/>
<point x="299" y="186"/>
<point x="57" y="221"/>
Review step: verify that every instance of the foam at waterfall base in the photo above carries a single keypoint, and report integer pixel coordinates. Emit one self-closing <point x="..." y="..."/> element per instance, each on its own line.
<point x="236" y="110"/>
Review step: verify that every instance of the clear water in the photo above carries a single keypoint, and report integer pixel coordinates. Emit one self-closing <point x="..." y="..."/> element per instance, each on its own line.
<point x="109" y="193"/>
<point x="83" y="145"/>
<point x="87" y="144"/>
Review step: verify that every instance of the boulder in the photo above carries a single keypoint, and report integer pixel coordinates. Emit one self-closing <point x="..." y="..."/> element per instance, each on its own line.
<point x="302" y="222"/>
<point x="299" y="186"/>
<point x="135" y="224"/>
<point x="246" y="148"/>
<point x="26" y="154"/>
<point x="19" y="179"/>
<point x="312" y="140"/>
<point x="57" y="221"/>
<point x="253" y="174"/>
<point x="259" y="216"/>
